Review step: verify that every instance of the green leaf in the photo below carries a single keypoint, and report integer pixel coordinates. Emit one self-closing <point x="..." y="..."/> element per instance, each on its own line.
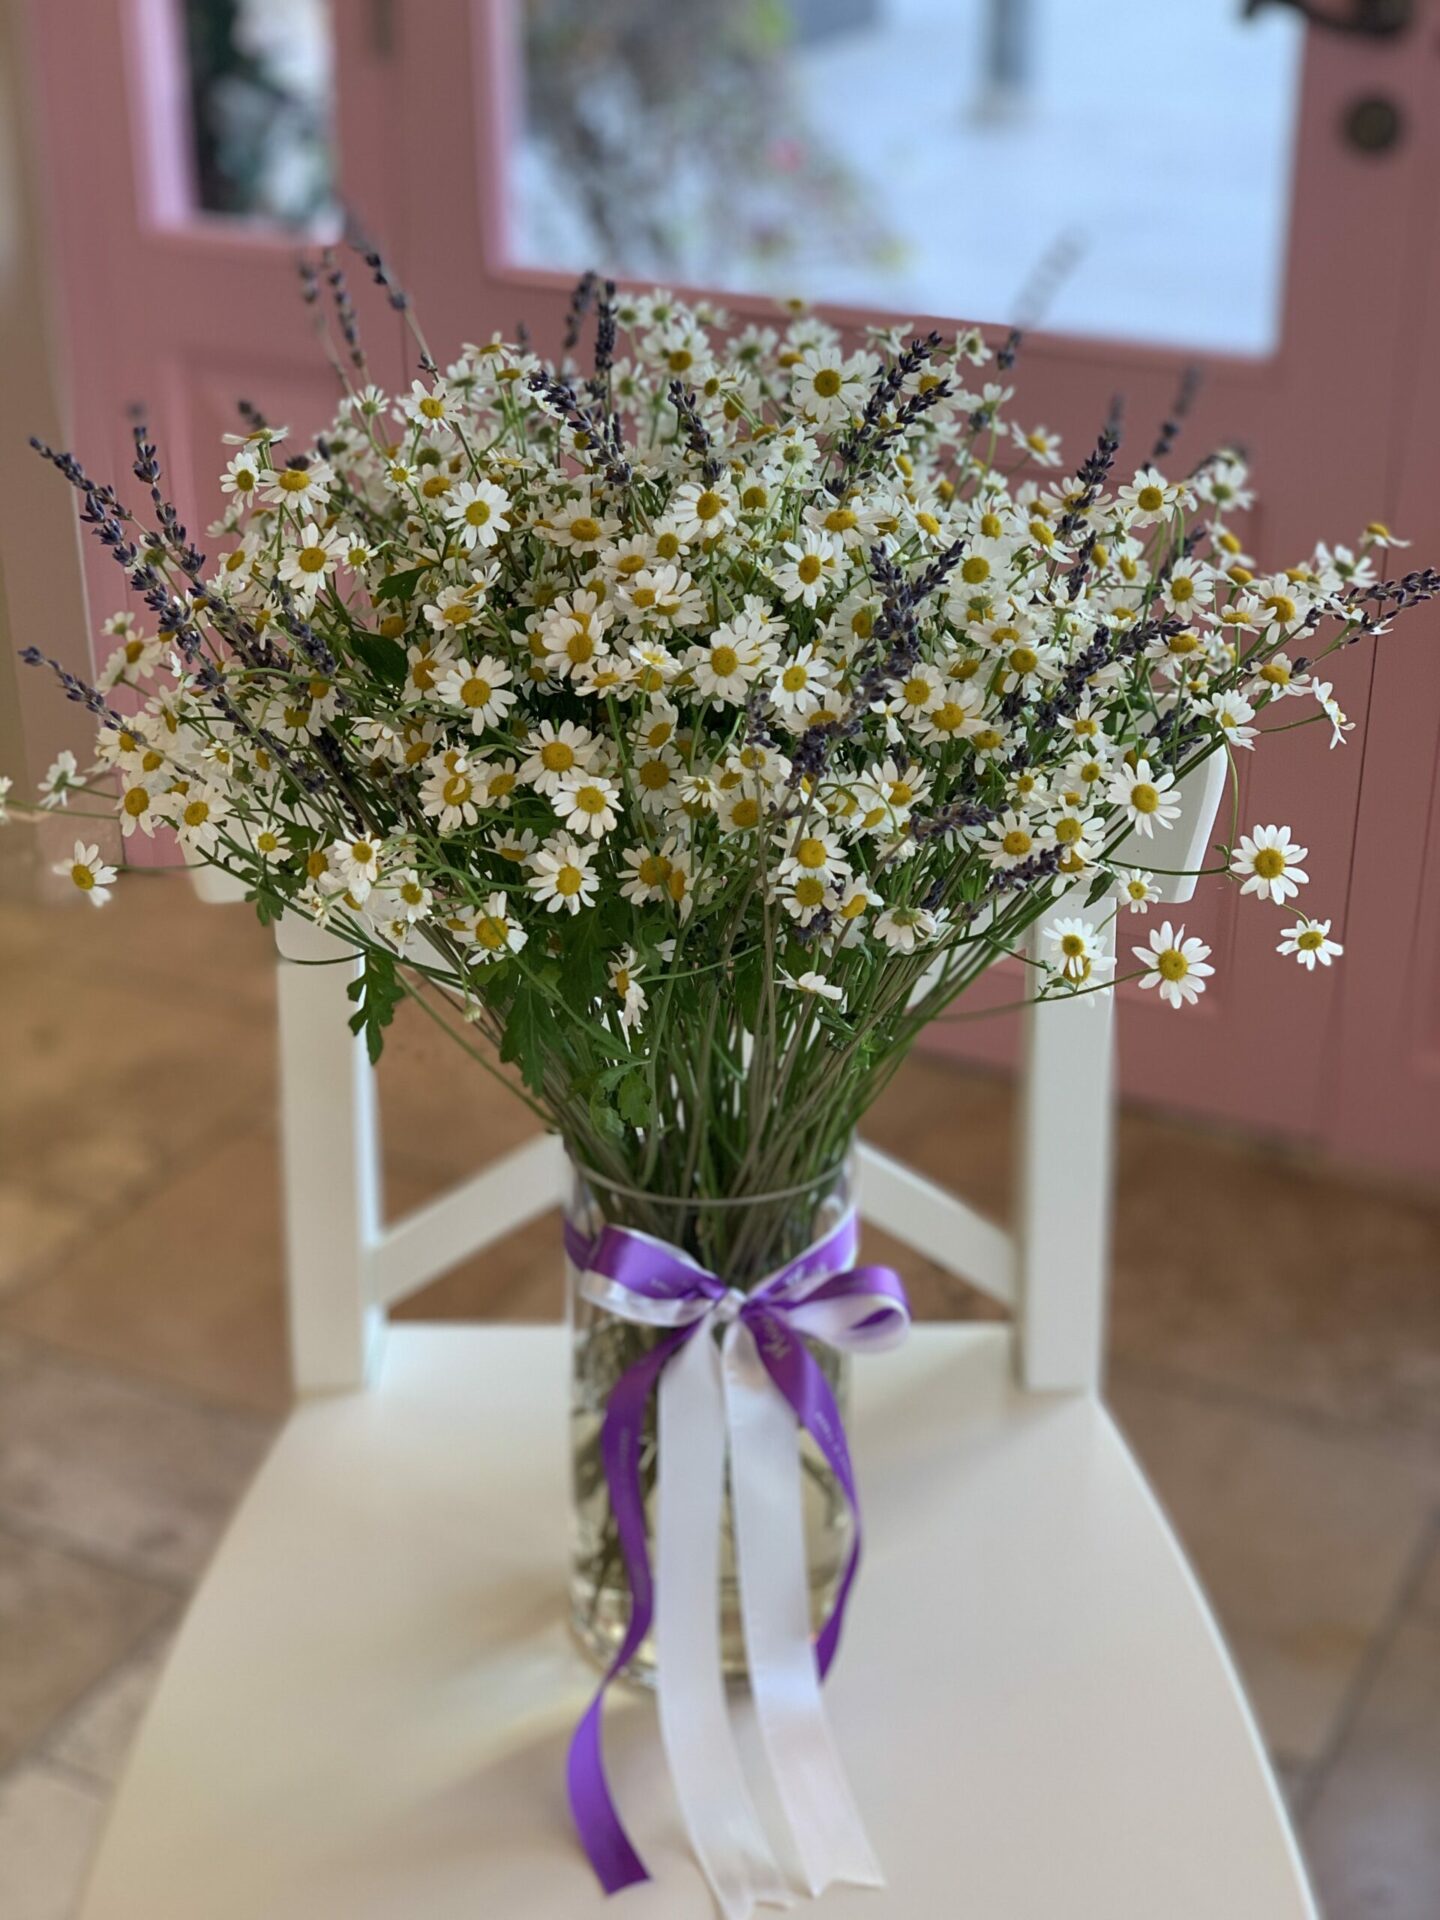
<point x="400" y="586"/>
<point x="633" y="1100"/>
<point x="267" y="908"/>
<point x="527" y="1024"/>
<point x="748" y="979"/>
<point x="385" y="658"/>
<point x="376" y="993"/>
<point x="603" y="1117"/>
<point x="1097" y="888"/>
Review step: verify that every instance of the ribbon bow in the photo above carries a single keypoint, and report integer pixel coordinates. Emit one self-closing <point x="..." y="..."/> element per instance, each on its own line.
<point x="746" y="1391"/>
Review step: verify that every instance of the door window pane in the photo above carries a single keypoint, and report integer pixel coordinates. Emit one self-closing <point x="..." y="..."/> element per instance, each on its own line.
<point x="260" y="92"/>
<point x="1106" y="167"/>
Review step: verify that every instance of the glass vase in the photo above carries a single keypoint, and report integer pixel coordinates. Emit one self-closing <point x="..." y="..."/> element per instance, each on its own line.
<point x="743" y="1240"/>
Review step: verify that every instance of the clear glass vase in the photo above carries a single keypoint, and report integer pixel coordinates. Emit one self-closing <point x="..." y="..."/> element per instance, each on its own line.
<point x="743" y="1240"/>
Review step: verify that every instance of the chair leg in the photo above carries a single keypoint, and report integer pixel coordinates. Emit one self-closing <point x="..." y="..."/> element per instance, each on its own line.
<point x="330" y="1153"/>
<point x="1065" y="1148"/>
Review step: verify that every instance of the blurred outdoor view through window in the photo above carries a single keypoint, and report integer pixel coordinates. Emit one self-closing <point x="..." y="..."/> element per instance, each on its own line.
<point x="1109" y="167"/>
<point x="260" y="94"/>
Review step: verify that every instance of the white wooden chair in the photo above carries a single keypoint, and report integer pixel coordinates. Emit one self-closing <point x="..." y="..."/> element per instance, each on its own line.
<point x="367" y="1710"/>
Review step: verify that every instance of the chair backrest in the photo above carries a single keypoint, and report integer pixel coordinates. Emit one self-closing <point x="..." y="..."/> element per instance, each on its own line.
<point x="347" y="1266"/>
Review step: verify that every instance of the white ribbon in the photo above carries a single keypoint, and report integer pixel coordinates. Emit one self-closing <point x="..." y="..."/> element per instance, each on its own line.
<point x="714" y="1397"/>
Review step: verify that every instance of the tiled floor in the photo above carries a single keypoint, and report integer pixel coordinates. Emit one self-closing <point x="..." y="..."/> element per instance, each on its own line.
<point x="1275" y="1358"/>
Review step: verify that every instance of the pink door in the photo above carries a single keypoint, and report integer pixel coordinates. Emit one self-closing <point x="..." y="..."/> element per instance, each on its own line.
<point x="169" y="302"/>
<point x="1163" y="185"/>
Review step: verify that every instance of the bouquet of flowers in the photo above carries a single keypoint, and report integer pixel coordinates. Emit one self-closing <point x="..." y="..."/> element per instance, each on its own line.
<point x="684" y="732"/>
<point x="696" y="727"/>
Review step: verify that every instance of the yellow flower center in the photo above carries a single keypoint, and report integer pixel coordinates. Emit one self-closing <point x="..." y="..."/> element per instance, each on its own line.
<point x="82" y="876"/>
<point x="1269" y="863"/>
<point x="1143" y="797"/>
<point x="136" y="802"/>
<point x="1172" y="964"/>
<point x="809" y="569"/>
<point x="477" y="513"/>
<point x="433" y="407"/>
<point x="654" y="870"/>
<point x="810" y="891"/>
<point x="794" y="679"/>
<point x="1017" y="842"/>
<point x="654" y="776"/>
<point x="827" y="382"/>
<point x="948" y="718"/>
<point x="975" y="570"/>
<point x="811" y="853"/>
<point x="724" y="660"/>
<point x="1150" y="499"/>
<point x="708" y="505"/>
<point x="196" y="813"/>
<point x="591" y="800"/>
<point x="1072" y="946"/>
<point x="556" y="756"/>
<point x="1311" y="940"/>
<point x="490" y="930"/>
<point x="1024" y="660"/>
<point x="311" y="559"/>
<point x="568" y="880"/>
<point x="457" y="790"/>
<point x="746" y="812"/>
<point x="294" y="480"/>
<point x="476" y="692"/>
<point x="585" y="529"/>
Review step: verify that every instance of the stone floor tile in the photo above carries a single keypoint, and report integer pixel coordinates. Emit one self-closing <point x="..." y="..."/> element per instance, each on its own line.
<point x="49" y="1824"/>
<point x="138" y="1477"/>
<point x="1372" y="1834"/>
<point x="1301" y="1539"/>
<point x="64" y="1622"/>
<point x="96" y="1737"/>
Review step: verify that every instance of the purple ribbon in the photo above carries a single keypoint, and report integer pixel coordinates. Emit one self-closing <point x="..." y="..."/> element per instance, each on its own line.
<point x="817" y="1294"/>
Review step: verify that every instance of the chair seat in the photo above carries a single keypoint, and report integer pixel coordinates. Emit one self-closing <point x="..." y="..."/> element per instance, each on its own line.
<point x="367" y="1710"/>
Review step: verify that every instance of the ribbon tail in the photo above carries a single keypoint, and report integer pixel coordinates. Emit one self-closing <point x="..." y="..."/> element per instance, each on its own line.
<point x="592" y="1806"/>
<point x="715" y="1802"/>
<point x="766" y="1491"/>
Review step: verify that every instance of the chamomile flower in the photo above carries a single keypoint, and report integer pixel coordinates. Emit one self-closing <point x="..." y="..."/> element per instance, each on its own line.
<point x="302" y="485"/>
<point x="727" y="664"/>
<point x="624" y="972"/>
<point x="478" y="513"/>
<point x="1177" y="966"/>
<point x="1268" y="862"/>
<point x="798" y="679"/>
<point x="1146" y="796"/>
<point x="826" y="387"/>
<point x="304" y="566"/>
<point x="451" y="793"/>
<point x="61" y="779"/>
<point x="354" y="866"/>
<point x="816" y="985"/>
<point x="561" y="875"/>
<point x="810" y="568"/>
<point x="482" y="692"/>
<point x="87" y="871"/>
<point x="492" y="933"/>
<point x="1075" y="947"/>
<point x="586" y="803"/>
<point x="903" y="929"/>
<point x="1149" y="496"/>
<point x="1135" y="889"/>
<point x="554" y="752"/>
<point x="200" y="815"/>
<point x="1310" y="942"/>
